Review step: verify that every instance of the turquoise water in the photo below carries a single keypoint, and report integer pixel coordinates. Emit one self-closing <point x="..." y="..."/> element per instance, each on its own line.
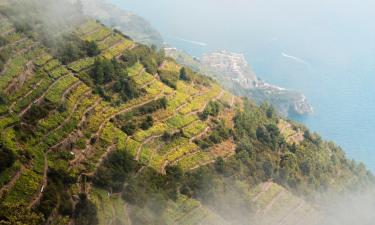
<point x="325" y="49"/>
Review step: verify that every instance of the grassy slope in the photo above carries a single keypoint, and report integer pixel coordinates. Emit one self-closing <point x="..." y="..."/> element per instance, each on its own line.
<point x="63" y="138"/>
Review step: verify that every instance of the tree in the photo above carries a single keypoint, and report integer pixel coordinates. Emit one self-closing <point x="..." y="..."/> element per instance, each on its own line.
<point x="147" y="123"/>
<point x="184" y="75"/>
<point x="268" y="169"/>
<point x="85" y="211"/>
<point x="7" y="157"/>
<point x="91" y="48"/>
<point x="219" y="165"/>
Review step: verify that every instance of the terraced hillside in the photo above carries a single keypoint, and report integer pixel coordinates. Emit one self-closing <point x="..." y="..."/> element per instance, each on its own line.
<point x="121" y="134"/>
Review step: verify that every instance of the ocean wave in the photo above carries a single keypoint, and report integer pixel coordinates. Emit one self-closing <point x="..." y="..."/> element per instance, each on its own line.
<point x="295" y="58"/>
<point x="190" y="41"/>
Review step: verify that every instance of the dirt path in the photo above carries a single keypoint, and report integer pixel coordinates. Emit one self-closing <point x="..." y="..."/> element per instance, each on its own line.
<point x="68" y="90"/>
<point x="19" y="80"/>
<point x="185" y="215"/>
<point x="291" y="213"/>
<point x="39" y="195"/>
<point x="200" y="134"/>
<point x="27" y="94"/>
<point x="126" y="210"/>
<point x="272" y="202"/>
<point x="13" y="181"/>
<point x="69" y="117"/>
<point x="101" y="126"/>
<point x="264" y="189"/>
<point x="147" y="140"/>
<point x="37" y="101"/>
<point x="83" y="120"/>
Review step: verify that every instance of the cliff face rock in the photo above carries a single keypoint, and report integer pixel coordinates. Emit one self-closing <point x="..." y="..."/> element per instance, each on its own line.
<point x="234" y="72"/>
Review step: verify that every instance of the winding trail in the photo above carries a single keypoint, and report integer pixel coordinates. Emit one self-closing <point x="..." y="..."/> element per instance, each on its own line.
<point x="105" y="121"/>
<point x="37" y="101"/>
<point x="12" y="182"/>
<point x="36" y="199"/>
<point x="70" y="89"/>
<point x="264" y="189"/>
<point x="147" y="140"/>
<point x="70" y="115"/>
<point x="35" y="86"/>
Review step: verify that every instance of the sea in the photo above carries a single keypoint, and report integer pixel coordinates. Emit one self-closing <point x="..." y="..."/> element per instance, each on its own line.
<point x="324" y="49"/>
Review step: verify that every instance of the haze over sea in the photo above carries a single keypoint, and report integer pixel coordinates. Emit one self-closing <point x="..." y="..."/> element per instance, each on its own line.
<point x="325" y="49"/>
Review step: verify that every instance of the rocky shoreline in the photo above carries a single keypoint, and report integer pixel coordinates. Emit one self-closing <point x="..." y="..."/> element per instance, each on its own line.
<point x="233" y="72"/>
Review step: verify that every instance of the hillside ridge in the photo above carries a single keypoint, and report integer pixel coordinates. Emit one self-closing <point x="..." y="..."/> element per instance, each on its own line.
<point x="99" y="129"/>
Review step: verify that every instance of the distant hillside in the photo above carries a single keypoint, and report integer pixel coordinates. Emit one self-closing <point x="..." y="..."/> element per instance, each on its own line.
<point x="234" y="73"/>
<point x="96" y="128"/>
<point x="133" y="25"/>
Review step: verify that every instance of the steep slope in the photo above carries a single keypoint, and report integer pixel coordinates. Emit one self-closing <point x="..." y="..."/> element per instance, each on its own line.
<point x="98" y="129"/>
<point x="234" y="73"/>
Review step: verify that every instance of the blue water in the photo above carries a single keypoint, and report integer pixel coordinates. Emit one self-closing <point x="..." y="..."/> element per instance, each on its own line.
<point x="325" y="49"/>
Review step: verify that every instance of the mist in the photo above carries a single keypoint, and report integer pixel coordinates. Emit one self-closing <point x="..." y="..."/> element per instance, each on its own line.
<point x="283" y="26"/>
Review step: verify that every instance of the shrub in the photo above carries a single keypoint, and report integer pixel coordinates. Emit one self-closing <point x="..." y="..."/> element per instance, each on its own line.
<point x="7" y="157"/>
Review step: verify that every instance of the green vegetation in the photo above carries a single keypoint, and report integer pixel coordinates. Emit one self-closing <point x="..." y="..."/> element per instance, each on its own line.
<point x="97" y="129"/>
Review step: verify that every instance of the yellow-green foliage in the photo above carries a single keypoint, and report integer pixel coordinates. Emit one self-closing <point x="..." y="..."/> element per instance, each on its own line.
<point x="8" y="173"/>
<point x="7" y="121"/>
<point x="109" y="208"/>
<point x="199" y="102"/>
<point x="82" y="64"/>
<point x="26" y="100"/>
<point x="43" y="59"/>
<point x="98" y="35"/>
<point x="110" y="41"/>
<point x="13" y="37"/>
<point x="146" y="154"/>
<point x="52" y="64"/>
<point x="171" y="66"/>
<point x="56" y="118"/>
<point x="143" y="78"/>
<point x="112" y="134"/>
<point x="102" y="111"/>
<point x="226" y="98"/>
<point x="26" y="186"/>
<point x="194" y="160"/>
<point x="135" y="70"/>
<point x="179" y="121"/>
<point x="156" y="130"/>
<point x="182" y="150"/>
<point x="88" y="27"/>
<point x="27" y="86"/>
<point x="8" y="138"/>
<point x="55" y="93"/>
<point x="58" y="72"/>
<point x="132" y="146"/>
<point x="180" y="207"/>
<point x="266" y="197"/>
<point x="194" y="128"/>
<point x="5" y="26"/>
<point x="185" y="88"/>
<point x="155" y="88"/>
<point x="177" y="100"/>
<point x="117" y="49"/>
<point x="14" y="67"/>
